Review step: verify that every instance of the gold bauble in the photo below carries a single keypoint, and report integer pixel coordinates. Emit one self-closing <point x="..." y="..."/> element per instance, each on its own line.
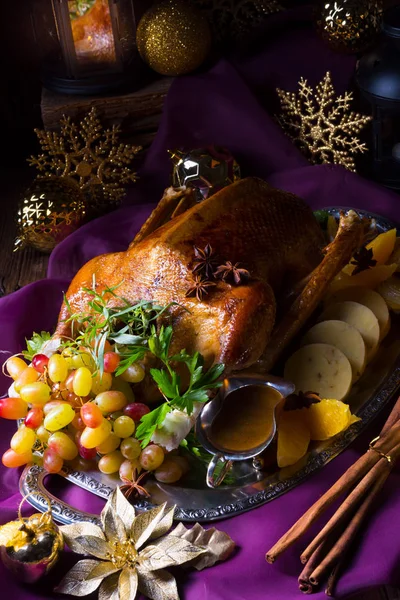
<point x="30" y="547"/>
<point x="51" y="209"/>
<point x="173" y="38"/>
<point x="349" y="26"/>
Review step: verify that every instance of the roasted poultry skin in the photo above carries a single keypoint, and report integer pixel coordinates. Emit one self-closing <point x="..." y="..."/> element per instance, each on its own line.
<point x="271" y="233"/>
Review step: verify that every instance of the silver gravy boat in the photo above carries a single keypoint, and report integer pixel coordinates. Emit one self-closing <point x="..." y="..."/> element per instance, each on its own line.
<point x="211" y="410"/>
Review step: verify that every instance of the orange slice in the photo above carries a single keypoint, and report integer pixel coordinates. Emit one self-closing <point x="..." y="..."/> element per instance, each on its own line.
<point x="327" y="418"/>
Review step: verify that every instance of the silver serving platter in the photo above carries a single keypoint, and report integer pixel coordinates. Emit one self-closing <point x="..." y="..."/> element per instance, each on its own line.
<point x="251" y="488"/>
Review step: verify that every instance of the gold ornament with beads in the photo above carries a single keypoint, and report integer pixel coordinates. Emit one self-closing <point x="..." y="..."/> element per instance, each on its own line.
<point x="349" y="26"/>
<point x="322" y="124"/>
<point x="173" y="38"/>
<point x="91" y="156"/>
<point x="49" y="211"/>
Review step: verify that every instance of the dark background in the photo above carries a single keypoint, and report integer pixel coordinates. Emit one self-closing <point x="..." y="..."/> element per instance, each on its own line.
<point x="20" y="87"/>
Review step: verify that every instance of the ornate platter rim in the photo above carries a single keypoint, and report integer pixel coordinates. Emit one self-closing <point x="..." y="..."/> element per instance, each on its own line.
<point x="32" y="479"/>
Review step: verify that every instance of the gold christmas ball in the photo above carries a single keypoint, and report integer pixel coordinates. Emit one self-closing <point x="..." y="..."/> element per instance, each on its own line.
<point x="349" y="26"/>
<point x="51" y="209"/>
<point x="31" y="546"/>
<point x="173" y="38"/>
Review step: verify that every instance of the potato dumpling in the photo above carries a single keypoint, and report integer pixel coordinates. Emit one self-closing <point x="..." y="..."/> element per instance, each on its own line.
<point x="359" y="316"/>
<point x="369" y="298"/>
<point x="343" y="336"/>
<point x="320" y="368"/>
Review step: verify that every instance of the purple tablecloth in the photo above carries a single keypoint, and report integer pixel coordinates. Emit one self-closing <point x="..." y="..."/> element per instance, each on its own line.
<point x="230" y="104"/>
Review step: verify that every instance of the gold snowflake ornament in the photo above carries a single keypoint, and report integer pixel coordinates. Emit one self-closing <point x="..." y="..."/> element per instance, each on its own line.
<point x="322" y="124"/>
<point x="90" y="155"/>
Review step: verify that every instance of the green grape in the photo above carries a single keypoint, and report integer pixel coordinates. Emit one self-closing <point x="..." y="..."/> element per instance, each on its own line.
<point x="109" y="445"/>
<point x="82" y="383"/>
<point x="101" y="383"/>
<point x="42" y="434"/>
<point x="59" y="417"/>
<point x="169" y="472"/>
<point x="110" y="463"/>
<point x="134" y="374"/>
<point x="119" y="385"/>
<point x="152" y="457"/>
<point x="28" y="375"/>
<point x="130" y="448"/>
<point x="83" y="359"/>
<point x="124" y="426"/>
<point x="110" y="401"/>
<point x="36" y="393"/>
<point x="57" y="368"/>
<point x="127" y="469"/>
<point x="62" y="445"/>
<point x="92" y="437"/>
<point x="23" y="440"/>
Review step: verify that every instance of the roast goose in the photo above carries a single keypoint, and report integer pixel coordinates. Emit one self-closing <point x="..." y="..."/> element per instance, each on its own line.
<point x="271" y="233"/>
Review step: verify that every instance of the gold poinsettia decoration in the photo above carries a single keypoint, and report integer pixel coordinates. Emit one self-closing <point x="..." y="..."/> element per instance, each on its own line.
<point x="88" y="154"/>
<point x="322" y="124"/>
<point x="133" y="551"/>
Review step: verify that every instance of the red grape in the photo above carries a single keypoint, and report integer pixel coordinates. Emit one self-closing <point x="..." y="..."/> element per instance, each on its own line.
<point x="78" y="423"/>
<point x="86" y="453"/>
<point x="91" y="415"/>
<point x="34" y="417"/>
<point x="136" y="410"/>
<point x="52" y="463"/>
<point x="12" y="459"/>
<point x="39" y="362"/>
<point x="111" y="362"/>
<point x="69" y="382"/>
<point x="13" y="408"/>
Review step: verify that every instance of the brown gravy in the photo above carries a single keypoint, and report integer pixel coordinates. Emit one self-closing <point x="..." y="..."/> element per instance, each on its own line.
<point x="245" y="420"/>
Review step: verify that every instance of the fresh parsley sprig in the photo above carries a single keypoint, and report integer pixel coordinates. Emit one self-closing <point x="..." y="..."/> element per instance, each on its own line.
<point x="170" y="385"/>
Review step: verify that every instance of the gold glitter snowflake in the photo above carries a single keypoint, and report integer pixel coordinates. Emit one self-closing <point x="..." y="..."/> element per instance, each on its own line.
<point x="235" y="18"/>
<point x="88" y="154"/>
<point x="322" y="124"/>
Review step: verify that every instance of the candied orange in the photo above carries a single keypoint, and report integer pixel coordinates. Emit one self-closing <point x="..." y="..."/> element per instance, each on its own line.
<point x="383" y="246"/>
<point x="327" y="418"/>
<point x="293" y="437"/>
<point x="369" y="278"/>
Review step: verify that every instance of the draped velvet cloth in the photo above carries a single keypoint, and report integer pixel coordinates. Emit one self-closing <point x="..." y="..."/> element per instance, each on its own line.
<point x="231" y="102"/>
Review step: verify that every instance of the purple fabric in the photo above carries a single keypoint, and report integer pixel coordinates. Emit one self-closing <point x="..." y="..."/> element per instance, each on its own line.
<point x="230" y="104"/>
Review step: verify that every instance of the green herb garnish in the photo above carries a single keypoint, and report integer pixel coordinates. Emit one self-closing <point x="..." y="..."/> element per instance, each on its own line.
<point x="135" y="331"/>
<point x="35" y="344"/>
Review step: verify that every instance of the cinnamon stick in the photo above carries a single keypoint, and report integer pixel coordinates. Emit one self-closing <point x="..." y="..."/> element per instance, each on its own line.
<point x="343" y="543"/>
<point x="348" y="506"/>
<point x="352" y="476"/>
<point x="333" y="577"/>
<point x="305" y="584"/>
<point x="392" y="418"/>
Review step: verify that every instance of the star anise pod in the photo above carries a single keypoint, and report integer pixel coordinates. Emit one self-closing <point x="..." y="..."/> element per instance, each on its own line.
<point x="233" y="272"/>
<point x="204" y="261"/>
<point x="132" y="486"/>
<point x="363" y="260"/>
<point x="199" y="287"/>
<point x="301" y="400"/>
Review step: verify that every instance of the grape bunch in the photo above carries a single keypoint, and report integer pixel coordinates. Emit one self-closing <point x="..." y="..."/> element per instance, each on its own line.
<point x="69" y="409"/>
